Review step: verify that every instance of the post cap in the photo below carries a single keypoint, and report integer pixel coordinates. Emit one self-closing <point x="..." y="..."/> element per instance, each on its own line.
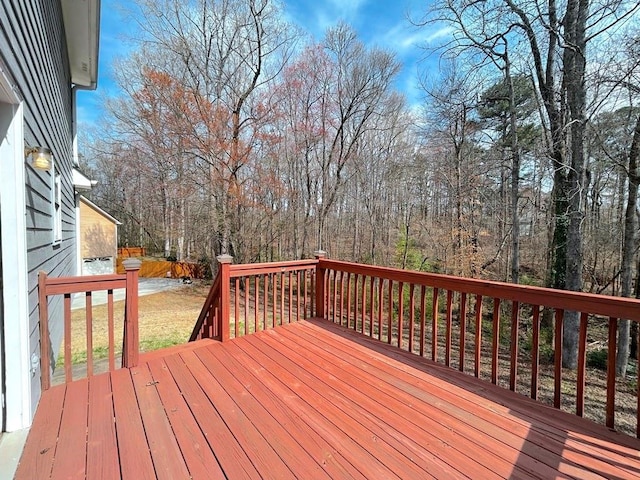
<point x="132" y="264"/>
<point x="320" y="253"/>
<point x="224" y="258"/>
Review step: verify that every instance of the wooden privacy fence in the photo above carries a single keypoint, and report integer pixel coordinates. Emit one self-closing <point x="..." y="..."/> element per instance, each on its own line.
<point x="127" y="252"/>
<point x="67" y="286"/>
<point x="476" y="326"/>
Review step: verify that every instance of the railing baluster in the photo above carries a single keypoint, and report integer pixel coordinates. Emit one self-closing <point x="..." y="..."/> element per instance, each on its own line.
<point x="582" y="362"/>
<point x="434" y="325"/>
<point x="45" y="346"/>
<point x="274" y="307"/>
<point x="89" y="332"/>
<point x="247" y="299"/>
<point x="256" y="294"/>
<point x="478" y="339"/>
<point x="423" y="316"/>
<point x="463" y="329"/>
<point x="412" y="308"/>
<point x="400" y="314"/>
<point x="390" y="318"/>
<point x="380" y="306"/>
<point x="348" y="300"/>
<point x="535" y="351"/>
<point x="355" y="302"/>
<point x="557" y="393"/>
<point x="611" y="373"/>
<point x="449" y="327"/>
<point x="306" y="292"/>
<point x="236" y="308"/>
<point x="290" y="298"/>
<point x="335" y="297"/>
<point x="515" y="326"/>
<point x="372" y="305"/>
<point x="495" y="341"/>
<point x="298" y="302"/>
<point x="110" y="327"/>
<point x="280" y="306"/>
<point x="67" y="338"/>
<point x="363" y="295"/>
<point x="265" y="302"/>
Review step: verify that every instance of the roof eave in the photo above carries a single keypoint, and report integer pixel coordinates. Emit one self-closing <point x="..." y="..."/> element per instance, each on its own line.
<point x="82" y="29"/>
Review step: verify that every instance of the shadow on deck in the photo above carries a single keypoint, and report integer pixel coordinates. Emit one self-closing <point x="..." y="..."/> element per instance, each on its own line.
<point x="308" y="400"/>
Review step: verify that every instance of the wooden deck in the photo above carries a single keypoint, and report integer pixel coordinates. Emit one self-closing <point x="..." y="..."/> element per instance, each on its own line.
<point x="308" y="400"/>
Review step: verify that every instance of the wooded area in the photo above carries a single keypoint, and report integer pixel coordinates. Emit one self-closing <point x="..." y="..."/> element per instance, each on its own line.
<point x="233" y="133"/>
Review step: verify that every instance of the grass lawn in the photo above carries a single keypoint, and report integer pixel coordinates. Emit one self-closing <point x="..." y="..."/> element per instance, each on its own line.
<point x="166" y="319"/>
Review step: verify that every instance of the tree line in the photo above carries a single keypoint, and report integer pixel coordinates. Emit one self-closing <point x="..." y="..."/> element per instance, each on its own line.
<point x="234" y="133"/>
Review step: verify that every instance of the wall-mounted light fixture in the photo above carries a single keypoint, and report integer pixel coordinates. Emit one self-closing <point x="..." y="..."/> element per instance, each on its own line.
<point x="40" y="157"/>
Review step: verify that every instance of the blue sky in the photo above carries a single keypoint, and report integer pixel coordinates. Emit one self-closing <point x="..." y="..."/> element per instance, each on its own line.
<point x="381" y="23"/>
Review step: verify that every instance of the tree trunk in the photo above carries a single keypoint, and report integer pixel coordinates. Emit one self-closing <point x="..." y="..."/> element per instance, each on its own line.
<point x="515" y="178"/>
<point x="574" y="62"/>
<point x="628" y="250"/>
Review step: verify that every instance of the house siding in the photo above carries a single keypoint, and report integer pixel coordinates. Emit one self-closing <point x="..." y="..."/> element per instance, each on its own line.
<point x="33" y="47"/>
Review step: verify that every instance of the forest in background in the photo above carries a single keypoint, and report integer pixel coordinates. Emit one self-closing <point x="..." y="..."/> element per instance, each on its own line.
<point x="234" y="133"/>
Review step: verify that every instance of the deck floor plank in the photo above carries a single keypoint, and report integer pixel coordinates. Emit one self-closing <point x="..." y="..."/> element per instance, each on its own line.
<point x="201" y="461"/>
<point x="41" y="444"/>
<point x="102" y="445"/>
<point x="550" y="420"/>
<point x="541" y="424"/>
<point x="373" y="436"/>
<point x="257" y="447"/>
<point x="283" y="442"/>
<point x="420" y="420"/>
<point x="133" y="448"/>
<point x="167" y="459"/>
<point x="71" y="454"/>
<point x="331" y="424"/>
<point x="500" y="425"/>
<point x="444" y="409"/>
<point x="232" y="458"/>
<point x="310" y="399"/>
<point x="270" y="396"/>
<point x="399" y="420"/>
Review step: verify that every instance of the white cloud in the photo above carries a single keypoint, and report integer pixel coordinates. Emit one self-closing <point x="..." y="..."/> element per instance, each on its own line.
<point x="346" y="9"/>
<point x="403" y="37"/>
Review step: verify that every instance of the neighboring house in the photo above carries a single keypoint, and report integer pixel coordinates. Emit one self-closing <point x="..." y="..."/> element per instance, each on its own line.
<point x="48" y="50"/>
<point x="98" y="234"/>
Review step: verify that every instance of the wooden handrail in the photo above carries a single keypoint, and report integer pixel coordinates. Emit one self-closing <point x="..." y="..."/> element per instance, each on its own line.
<point x="67" y="286"/>
<point x="619" y="307"/>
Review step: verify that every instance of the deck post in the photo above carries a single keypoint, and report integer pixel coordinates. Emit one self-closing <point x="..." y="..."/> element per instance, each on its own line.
<point x="45" y="341"/>
<point x="131" y="340"/>
<point x="320" y="282"/>
<point x="225" y="262"/>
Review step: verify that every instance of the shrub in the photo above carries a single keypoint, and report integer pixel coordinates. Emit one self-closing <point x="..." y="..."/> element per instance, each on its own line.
<point x="597" y="359"/>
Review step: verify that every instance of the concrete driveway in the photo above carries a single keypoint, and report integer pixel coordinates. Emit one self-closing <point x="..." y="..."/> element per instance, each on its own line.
<point x="146" y="286"/>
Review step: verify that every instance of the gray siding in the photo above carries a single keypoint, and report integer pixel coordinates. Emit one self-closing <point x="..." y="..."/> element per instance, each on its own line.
<point x="33" y="47"/>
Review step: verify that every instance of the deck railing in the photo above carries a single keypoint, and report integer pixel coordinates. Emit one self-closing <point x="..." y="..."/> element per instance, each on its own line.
<point x="67" y="286"/>
<point x="254" y="297"/>
<point x="475" y="326"/>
